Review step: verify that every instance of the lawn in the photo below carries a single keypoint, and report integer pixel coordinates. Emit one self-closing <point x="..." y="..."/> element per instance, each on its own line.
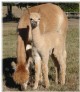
<point x="9" y="54"/>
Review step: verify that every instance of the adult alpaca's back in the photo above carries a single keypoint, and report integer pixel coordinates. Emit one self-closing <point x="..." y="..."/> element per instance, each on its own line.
<point x="52" y="17"/>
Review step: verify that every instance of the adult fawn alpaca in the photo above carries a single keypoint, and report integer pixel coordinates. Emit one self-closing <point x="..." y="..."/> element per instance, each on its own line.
<point x="49" y="41"/>
<point x="48" y="34"/>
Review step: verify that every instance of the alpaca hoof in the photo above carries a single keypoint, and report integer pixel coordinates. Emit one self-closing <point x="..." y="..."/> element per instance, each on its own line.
<point x="35" y="87"/>
<point x="56" y="82"/>
<point x="47" y="85"/>
<point x="62" y="82"/>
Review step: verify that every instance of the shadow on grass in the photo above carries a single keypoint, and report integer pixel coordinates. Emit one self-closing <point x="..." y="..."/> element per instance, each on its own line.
<point x="8" y="71"/>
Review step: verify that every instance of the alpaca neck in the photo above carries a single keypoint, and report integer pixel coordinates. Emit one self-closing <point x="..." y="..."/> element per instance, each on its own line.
<point x="21" y="56"/>
<point x="36" y="33"/>
<point x="37" y="36"/>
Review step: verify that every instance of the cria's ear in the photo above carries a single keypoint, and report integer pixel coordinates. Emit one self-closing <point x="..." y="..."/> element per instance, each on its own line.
<point x="28" y="11"/>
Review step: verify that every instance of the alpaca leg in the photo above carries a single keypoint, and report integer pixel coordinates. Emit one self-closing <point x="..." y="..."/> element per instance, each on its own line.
<point x="41" y="76"/>
<point x="37" y="74"/>
<point x="37" y="59"/>
<point x="61" y="57"/>
<point x="45" y="70"/>
<point x="57" y="68"/>
<point x="56" y="79"/>
<point x="63" y="68"/>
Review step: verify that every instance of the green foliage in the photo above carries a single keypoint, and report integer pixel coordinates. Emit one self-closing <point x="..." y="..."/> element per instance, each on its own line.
<point x="6" y="4"/>
<point x="69" y="7"/>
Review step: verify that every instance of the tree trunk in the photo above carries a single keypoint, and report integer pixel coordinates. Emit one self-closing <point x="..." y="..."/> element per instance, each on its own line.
<point x="9" y="8"/>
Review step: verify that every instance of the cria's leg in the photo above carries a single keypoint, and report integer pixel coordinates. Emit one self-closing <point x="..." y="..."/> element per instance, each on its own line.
<point x="61" y="57"/>
<point x="45" y="70"/>
<point x="37" y="68"/>
<point x="37" y="74"/>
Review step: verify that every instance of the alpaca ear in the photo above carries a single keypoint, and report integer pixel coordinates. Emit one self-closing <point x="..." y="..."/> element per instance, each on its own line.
<point x="13" y="64"/>
<point x="28" y="11"/>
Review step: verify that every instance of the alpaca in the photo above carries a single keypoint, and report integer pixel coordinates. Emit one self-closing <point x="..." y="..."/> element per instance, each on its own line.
<point x="21" y="74"/>
<point x="50" y="42"/>
<point x="51" y="36"/>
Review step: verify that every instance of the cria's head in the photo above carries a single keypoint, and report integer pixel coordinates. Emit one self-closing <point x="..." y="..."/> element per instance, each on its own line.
<point x="34" y="19"/>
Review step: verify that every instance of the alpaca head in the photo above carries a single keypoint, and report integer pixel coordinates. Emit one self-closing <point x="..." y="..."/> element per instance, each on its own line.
<point x="21" y="74"/>
<point x="34" y="19"/>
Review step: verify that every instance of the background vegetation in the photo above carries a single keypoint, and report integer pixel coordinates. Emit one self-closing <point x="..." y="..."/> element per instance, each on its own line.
<point x="68" y="7"/>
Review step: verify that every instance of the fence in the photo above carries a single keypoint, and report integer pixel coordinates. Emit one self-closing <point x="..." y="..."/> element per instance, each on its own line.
<point x="73" y="14"/>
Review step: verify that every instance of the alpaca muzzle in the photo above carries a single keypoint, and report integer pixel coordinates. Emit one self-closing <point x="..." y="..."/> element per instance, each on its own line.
<point x="33" y="24"/>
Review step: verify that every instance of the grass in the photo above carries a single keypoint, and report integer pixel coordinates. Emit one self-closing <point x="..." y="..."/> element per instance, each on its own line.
<point x="9" y="41"/>
<point x="72" y="77"/>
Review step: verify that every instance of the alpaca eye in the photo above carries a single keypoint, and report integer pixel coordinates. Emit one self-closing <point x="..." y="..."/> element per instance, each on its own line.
<point x="31" y="19"/>
<point x="38" y="19"/>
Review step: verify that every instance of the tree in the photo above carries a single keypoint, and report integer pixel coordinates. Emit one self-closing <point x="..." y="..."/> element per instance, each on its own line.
<point x="69" y="7"/>
<point x="9" y="8"/>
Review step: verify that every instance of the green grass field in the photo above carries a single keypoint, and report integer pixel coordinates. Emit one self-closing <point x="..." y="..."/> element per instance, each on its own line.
<point x="72" y="77"/>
